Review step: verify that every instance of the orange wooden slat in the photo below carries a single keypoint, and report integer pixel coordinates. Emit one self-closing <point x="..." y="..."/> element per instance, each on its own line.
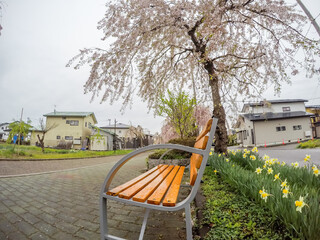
<point x="115" y="191"/>
<point x="193" y="173"/>
<point x="149" y="189"/>
<point x="202" y="143"/>
<point x="158" y="194"/>
<point x="171" y="197"/>
<point x="131" y="191"/>
<point x="197" y="159"/>
<point x="206" y="129"/>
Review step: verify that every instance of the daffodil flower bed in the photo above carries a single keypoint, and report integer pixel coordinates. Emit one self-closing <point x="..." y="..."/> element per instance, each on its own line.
<point x="290" y="193"/>
<point x="230" y="216"/>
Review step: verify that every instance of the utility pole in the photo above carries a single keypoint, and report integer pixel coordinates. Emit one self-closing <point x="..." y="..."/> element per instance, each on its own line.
<point x="115" y="135"/>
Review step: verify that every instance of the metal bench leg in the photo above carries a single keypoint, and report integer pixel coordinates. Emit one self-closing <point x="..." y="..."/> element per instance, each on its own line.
<point x="188" y="222"/>
<point x="103" y="218"/>
<point x="144" y="224"/>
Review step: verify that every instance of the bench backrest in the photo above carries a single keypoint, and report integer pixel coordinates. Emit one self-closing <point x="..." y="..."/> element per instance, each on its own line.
<point x="196" y="159"/>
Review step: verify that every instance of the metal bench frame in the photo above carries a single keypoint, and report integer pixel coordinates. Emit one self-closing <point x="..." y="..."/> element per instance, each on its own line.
<point x="180" y="205"/>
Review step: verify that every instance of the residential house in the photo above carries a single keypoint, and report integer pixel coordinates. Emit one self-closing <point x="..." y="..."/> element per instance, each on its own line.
<point x="101" y="139"/>
<point x="69" y="127"/>
<point x="4" y="131"/>
<point x="273" y="122"/>
<point x="315" y="120"/>
<point x="127" y="137"/>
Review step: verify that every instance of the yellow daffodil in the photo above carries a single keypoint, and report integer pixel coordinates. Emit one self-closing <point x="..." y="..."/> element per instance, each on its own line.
<point x="283" y="163"/>
<point x="264" y="195"/>
<point x="284" y="184"/>
<point x="265" y="157"/>
<point x="232" y="165"/>
<point x="264" y="166"/>
<point x="295" y="164"/>
<point x="244" y="155"/>
<point x="316" y="172"/>
<point x="307" y="158"/>
<point x="223" y="154"/>
<point x="299" y="204"/>
<point x="227" y="160"/>
<point x="219" y="155"/>
<point x="276" y="177"/>
<point x="285" y="192"/>
<point x="255" y="149"/>
<point x="210" y="153"/>
<point x="253" y="157"/>
<point x="258" y="170"/>
<point x="270" y="171"/>
<point x="215" y="171"/>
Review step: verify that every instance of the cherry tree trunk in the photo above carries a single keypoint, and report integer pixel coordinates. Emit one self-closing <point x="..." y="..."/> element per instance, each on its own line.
<point x="221" y="135"/>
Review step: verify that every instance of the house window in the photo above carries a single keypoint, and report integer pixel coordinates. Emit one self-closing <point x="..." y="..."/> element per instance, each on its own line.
<point x="73" y="122"/>
<point x="68" y="138"/>
<point x="86" y="124"/>
<point x="286" y="109"/>
<point x="119" y="131"/>
<point x="281" y="128"/>
<point x="297" y="127"/>
<point x="64" y="118"/>
<point x="245" y="135"/>
<point x="58" y="137"/>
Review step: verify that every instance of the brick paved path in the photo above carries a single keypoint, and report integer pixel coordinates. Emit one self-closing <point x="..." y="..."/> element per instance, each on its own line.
<point x="64" y="205"/>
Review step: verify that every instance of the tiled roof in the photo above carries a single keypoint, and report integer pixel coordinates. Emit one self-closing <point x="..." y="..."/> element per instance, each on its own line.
<point x="70" y="114"/>
<point x="273" y="116"/>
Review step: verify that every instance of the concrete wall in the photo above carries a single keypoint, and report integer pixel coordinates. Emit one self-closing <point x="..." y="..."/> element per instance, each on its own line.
<point x="265" y="131"/>
<point x="62" y="129"/>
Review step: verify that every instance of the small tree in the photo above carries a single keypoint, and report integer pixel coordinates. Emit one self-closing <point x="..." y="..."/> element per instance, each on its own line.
<point x="20" y="129"/>
<point x="44" y="129"/>
<point x="178" y="109"/>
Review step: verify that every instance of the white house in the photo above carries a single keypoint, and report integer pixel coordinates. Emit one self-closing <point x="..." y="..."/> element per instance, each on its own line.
<point x="4" y="131"/>
<point x="273" y="122"/>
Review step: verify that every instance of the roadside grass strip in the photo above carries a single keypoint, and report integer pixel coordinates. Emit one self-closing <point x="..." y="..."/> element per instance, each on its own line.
<point x="291" y="194"/>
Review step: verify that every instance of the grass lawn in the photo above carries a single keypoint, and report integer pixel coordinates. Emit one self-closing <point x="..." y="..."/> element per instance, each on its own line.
<point x="8" y="151"/>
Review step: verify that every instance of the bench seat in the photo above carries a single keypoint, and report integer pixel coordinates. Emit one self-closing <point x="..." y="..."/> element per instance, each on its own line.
<point x="158" y="185"/>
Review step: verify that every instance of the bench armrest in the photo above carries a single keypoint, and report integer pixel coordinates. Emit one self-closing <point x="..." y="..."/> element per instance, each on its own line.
<point x="126" y="158"/>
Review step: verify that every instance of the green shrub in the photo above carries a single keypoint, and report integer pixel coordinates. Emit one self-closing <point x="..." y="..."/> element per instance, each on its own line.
<point x="310" y="144"/>
<point x="175" y="154"/>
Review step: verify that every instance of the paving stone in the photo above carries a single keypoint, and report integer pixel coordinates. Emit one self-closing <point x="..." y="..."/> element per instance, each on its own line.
<point x="26" y="228"/>
<point x="87" y="225"/>
<point x="62" y="235"/>
<point x="16" y="236"/>
<point x="39" y="236"/>
<point x="12" y="217"/>
<point x="46" y="228"/>
<point x="65" y="205"/>
<point x="67" y="227"/>
<point x="30" y="218"/>
<point x="85" y="234"/>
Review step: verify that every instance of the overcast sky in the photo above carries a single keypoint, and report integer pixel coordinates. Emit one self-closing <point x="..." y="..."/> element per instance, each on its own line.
<point x="38" y="39"/>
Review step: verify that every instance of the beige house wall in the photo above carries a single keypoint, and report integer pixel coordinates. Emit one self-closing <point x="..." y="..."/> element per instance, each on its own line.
<point x="265" y="131"/>
<point x="62" y="129"/>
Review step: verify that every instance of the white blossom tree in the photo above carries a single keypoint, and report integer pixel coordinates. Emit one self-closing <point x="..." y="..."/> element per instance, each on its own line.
<point x="218" y="48"/>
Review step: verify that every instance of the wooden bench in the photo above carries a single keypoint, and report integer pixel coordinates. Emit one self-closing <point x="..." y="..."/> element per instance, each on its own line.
<point x="158" y="188"/>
